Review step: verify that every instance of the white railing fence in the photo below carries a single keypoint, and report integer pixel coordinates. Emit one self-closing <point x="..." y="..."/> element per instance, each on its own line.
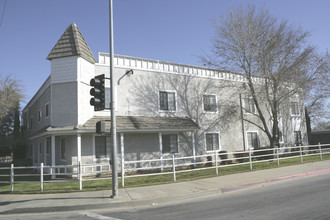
<point x="142" y="168"/>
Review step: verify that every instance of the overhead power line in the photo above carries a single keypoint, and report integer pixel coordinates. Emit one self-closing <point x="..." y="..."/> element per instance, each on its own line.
<point x="3" y="12"/>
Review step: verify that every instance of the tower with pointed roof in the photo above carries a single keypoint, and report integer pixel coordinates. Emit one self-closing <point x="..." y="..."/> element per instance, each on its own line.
<point x="72" y="66"/>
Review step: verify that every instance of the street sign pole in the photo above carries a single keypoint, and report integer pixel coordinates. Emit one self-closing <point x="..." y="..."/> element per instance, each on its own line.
<point x="113" y="132"/>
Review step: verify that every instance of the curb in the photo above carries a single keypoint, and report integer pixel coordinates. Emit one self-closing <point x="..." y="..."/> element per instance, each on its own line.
<point x="273" y="180"/>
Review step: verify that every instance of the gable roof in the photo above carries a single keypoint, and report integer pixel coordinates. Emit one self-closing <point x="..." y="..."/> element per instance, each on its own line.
<point x="71" y="43"/>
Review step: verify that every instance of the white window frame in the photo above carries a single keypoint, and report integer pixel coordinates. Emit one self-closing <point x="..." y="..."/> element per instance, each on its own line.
<point x="107" y="158"/>
<point x="247" y="139"/>
<point x="246" y="111"/>
<point x="47" y="106"/>
<point x="216" y="103"/>
<point x="177" y="141"/>
<point x="175" y="97"/>
<point x="296" y="107"/>
<point x="294" y="136"/>
<point x="65" y="149"/>
<point x="31" y="123"/>
<point x="40" y="115"/>
<point x="205" y="142"/>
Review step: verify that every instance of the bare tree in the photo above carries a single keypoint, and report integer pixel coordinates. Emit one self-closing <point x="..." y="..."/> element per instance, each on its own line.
<point x="274" y="56"/>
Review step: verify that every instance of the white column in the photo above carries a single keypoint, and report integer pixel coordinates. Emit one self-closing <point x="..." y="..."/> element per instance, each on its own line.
<point x="45" y="151"/>
<point x="53" y="154"/>
<point x="161" y="148"/>
<point x="193" y="146"/>
<point x="122" y="147"/>
<point x="78" y="148"/>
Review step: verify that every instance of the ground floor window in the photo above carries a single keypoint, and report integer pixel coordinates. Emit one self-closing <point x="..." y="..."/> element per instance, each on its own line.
<point x="170" y="143"/>
<point x="297" y="137"/>
<point x="212" y="141"/>
<point x="100" y="147"/>
<point x="62" y="149"/>
<point x="253" y="139"/>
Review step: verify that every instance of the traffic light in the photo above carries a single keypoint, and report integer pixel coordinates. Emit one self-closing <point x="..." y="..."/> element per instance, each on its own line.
<point x="100" y="127"/>
<point x="98" y="92"/>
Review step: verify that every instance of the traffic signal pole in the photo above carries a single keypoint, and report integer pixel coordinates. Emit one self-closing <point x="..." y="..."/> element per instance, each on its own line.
<point x="113" y="131"/>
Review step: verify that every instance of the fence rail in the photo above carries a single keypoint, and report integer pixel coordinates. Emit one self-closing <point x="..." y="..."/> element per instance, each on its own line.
<point x="141" y="168"/>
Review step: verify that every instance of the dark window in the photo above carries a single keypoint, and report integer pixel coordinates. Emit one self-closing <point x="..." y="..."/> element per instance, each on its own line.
<point x="40" y="115"/>
<point x="249" y="105"/>
<point x="294" y="108"/>
<point x="167" y="101"/>
<point x="212" y="141"/>
<point x="253" y="139"/>
<point x="47" y="110"/>
<point x="297" y="137"/>
<point x="170" y="143"/>
<point x="210" y="103"/>
<point x="63" y="150"/>
<point x="100" y="147"/>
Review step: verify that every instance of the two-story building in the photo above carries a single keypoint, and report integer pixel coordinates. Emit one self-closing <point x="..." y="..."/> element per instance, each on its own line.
<point x="162" y="109"/>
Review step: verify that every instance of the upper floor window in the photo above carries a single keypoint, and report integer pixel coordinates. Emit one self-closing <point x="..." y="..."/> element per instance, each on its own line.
<point x="167" y="101"/>
<point x="295" y="108"/>
<point x="170" y="143"/>
<point x="210" y="103"/>
<point x="47" y="110"/>
<point x="31" y="122"/>
<point x="249" y="105"/>
<point x="212" y="141"/>
<point x="40" y="115"/>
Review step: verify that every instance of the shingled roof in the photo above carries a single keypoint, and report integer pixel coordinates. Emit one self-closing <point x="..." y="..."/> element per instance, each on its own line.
<point x="145" y="124"/>
<point x="71" y="43"/>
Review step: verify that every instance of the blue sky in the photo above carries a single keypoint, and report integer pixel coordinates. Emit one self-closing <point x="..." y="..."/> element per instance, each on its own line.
<point x="170" y="30"/>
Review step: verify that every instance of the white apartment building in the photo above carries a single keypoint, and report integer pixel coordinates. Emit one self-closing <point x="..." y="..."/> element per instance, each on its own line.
<point x="162" y="109"/>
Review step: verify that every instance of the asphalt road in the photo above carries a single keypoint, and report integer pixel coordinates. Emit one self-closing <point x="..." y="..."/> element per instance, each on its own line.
<point x="306" y="198"/>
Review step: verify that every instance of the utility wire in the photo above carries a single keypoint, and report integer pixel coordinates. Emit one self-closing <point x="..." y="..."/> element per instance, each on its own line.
<point x="3" y="12"/>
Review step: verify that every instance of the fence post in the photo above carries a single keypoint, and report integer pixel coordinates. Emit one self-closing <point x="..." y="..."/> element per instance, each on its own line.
<point x="123" y="173"/>
<point x="173" y="164"/>
<point x="216" y="162"/>
<point x="250" y="158"/>
<point x="301" y="155"/>
<point x="12" y="178"/>
<point x="80" y="175"/>
<point x="277" y="157"/>
<point x="41" y="177"/>
<point x="320" y="148"/>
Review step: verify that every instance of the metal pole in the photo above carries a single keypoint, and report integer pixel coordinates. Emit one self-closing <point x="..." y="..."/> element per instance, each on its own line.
<point x="242" y="120"/>
<point x="113" y="132"/>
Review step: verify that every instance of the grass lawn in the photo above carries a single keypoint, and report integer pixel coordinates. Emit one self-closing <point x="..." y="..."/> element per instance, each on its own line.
<point x="62" y="187"/>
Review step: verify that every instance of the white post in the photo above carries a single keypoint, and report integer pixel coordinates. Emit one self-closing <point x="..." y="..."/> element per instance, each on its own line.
<point x="41" y="177"/>
<point x="301" y="155"/>
<point x="78" y="148"/>
<point x="278" y="157"/>
<point x="122" y="159"/>
<point x="173" y="164"/>
<point x="193" y="147"/>
<point x="320" y="148"/>
<point x="80" y="175"/>
<point x="216" y="162"/>
<point x="12" y="178"/>
<point x="250" y="158"/>
<point x="161" y="149"/>
<point x="53" y="156"/>
<point x="45" y="151"/>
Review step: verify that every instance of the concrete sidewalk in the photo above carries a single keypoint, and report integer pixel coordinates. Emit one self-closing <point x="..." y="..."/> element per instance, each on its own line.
<point x="156" y="195"/>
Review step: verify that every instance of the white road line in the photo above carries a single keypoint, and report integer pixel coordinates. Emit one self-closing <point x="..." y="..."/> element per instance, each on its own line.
<point x="99" y="217"/>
